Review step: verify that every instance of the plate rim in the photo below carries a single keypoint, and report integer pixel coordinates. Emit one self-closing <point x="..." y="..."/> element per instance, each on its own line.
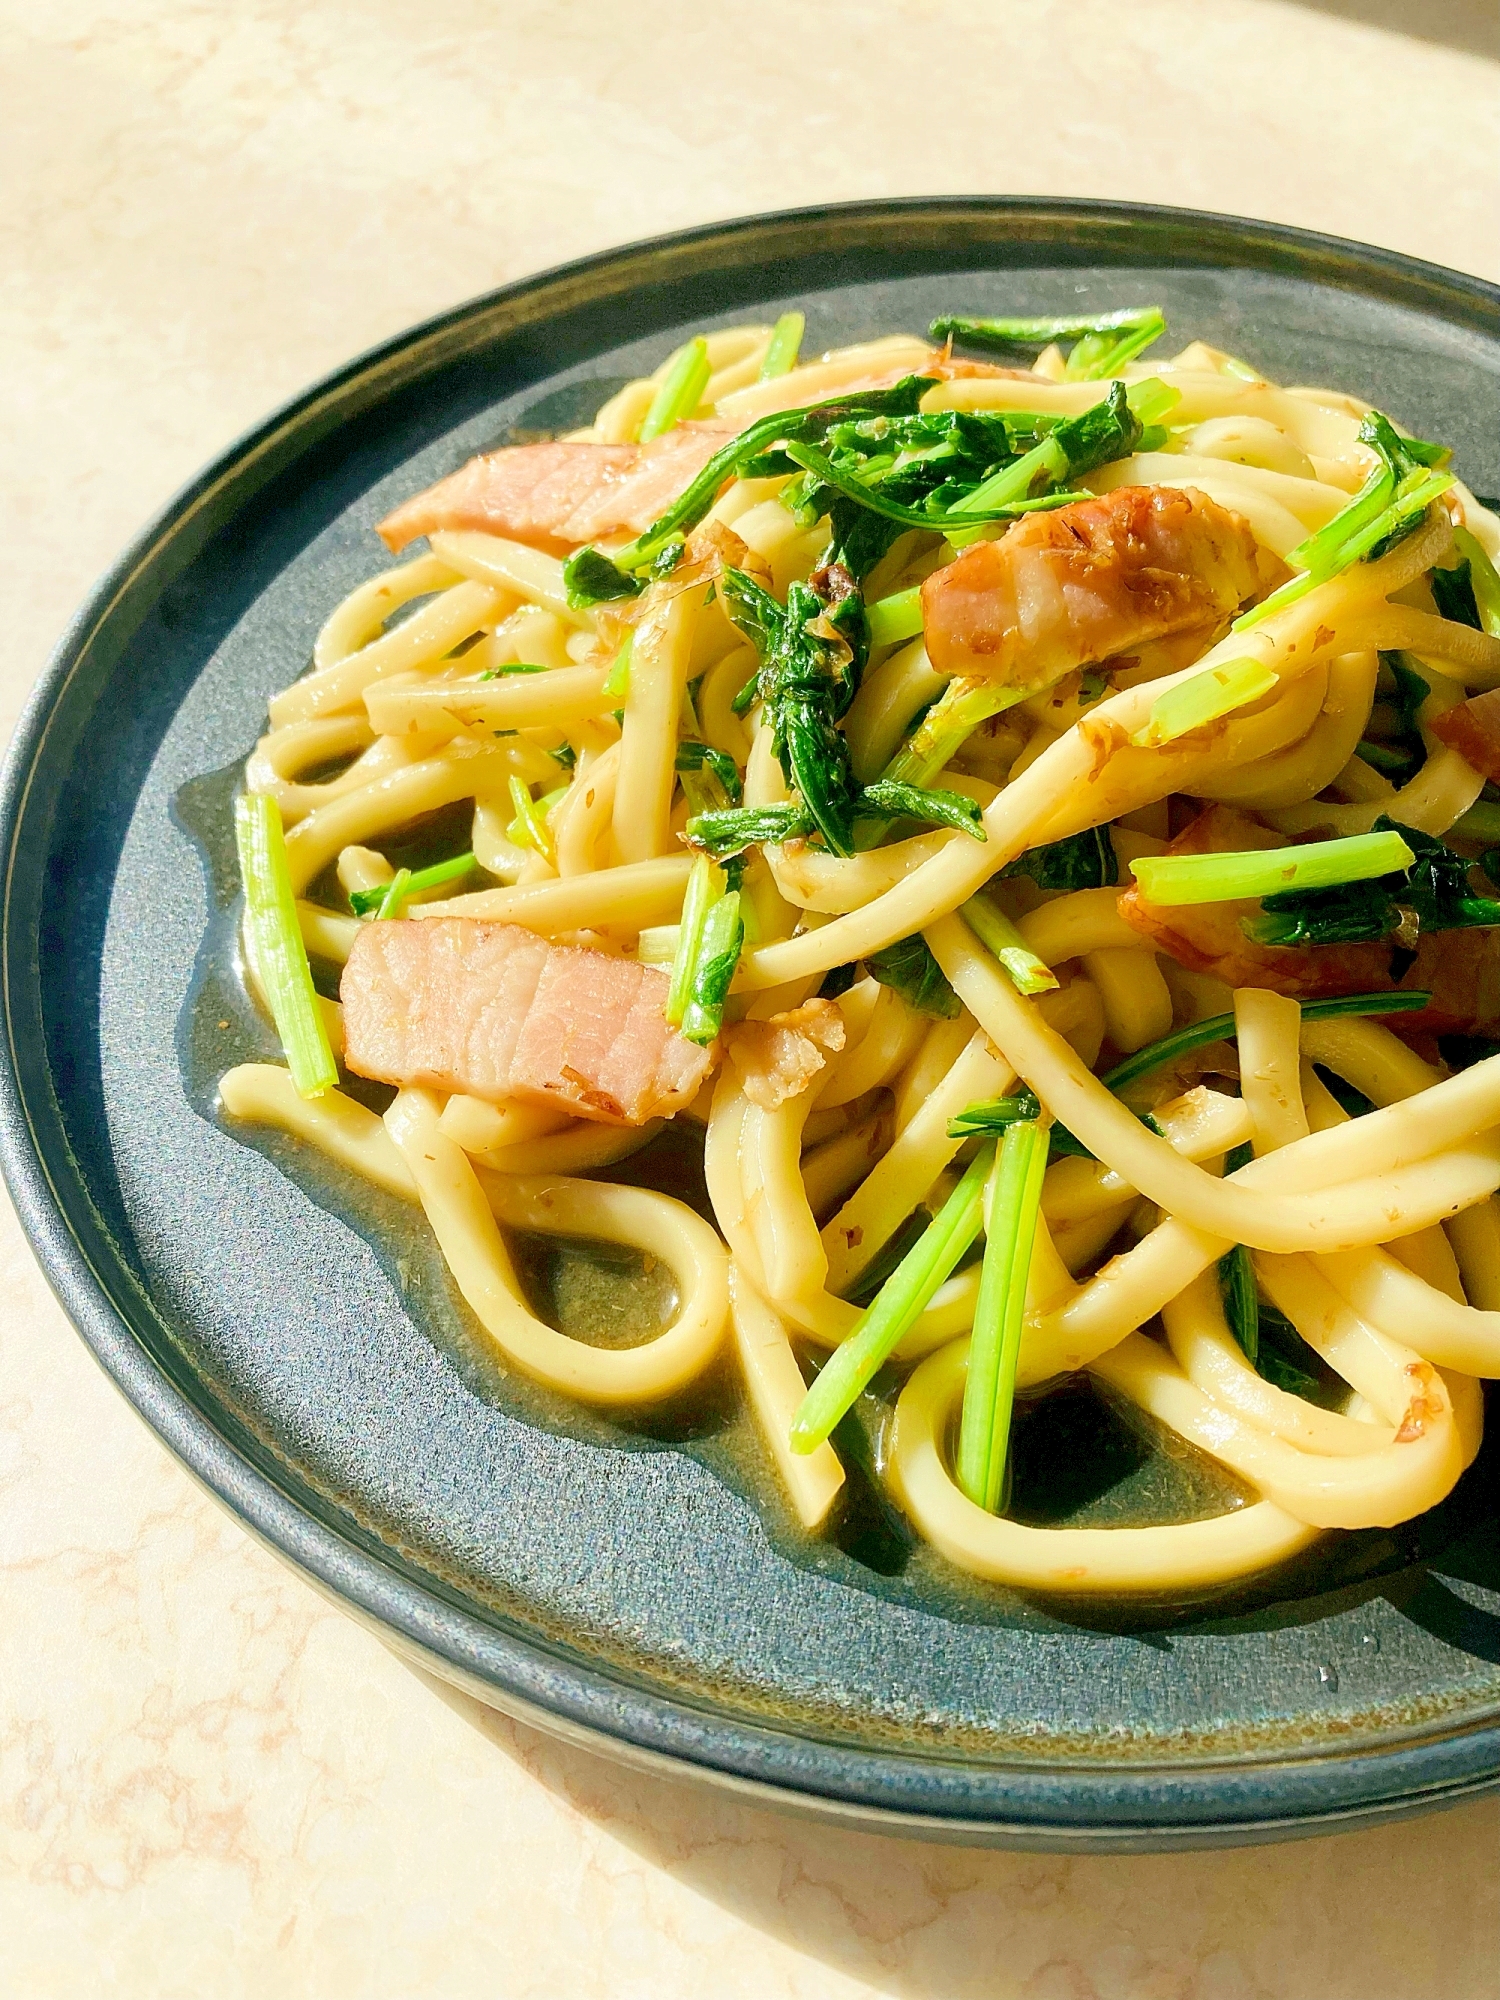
<point x="1067" y="1808"/>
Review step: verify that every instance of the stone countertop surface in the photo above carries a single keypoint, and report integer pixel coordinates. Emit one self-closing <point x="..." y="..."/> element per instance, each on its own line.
<point x="211" y="1782"/>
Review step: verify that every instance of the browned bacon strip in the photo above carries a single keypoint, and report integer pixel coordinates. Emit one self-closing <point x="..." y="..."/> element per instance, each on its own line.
<point x="556" y="495"/>
<point x="458" y="1004"/>
<point x="1472" y="728"/>
<point x="1085" y="581"/>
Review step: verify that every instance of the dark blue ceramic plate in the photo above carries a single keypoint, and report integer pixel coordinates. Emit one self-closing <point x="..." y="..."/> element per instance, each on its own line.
<point x="632" y="1586"/>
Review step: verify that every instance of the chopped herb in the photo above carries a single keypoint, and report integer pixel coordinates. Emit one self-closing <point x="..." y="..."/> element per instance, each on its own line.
<point x="1387" y="508"/>
<point x="894" y="800"/>
<point x="710" y="778"/>
<point x="895" y="618"/>
<point x="783" y="346"/>
<point x="718" y="958"/>
<point x="274" y="939"/>
<point x="723" y="834"/>
<point x="1105" y="342"/>
<point x="903" y="1297"/>
<point x="1194" y="704"/>
<point x="993" y="1115"/>
<point x="591" y="578"/>
<point x="1431" y="894"/>
<point x="909" y="968"/>
<point x="1014" y="1203"/>
<point x="1079" y="861"/>
<point x="367" y="902"/>
<point x="1220" y="1028"/>
<point x="1172" y="880"/>
<point x="680" y="390"/>
<point x="999" y="935"/>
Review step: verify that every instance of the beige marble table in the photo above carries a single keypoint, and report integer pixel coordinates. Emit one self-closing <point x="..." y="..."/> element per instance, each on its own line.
<point x="210" y="1782"/>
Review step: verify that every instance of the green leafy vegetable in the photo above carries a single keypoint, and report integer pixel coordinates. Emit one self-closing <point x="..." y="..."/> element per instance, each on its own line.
<point x="895" y="618"/>
<point x="894" y="800"/>
<point x="952" y="719"/>
<point x="723" y="834"/>
<point x="1401" y="690"/>
<point x="591" y="577"/>
<point x="1270" y="1343"/>
<point x="1237" y="1285"/>
<point x="806" y="680"/>
<point x="1080" y="861"/>
<point x="274" y="942"/>
<point x="782" y="349"/>
<point x="1014" y="1201"/>
<point x="1431" y="894"/>
<point x="1172" y="880"/>
<point x="1387" y="508"/>
<point x="971" y="511"/>
<point x="705" y="885"/>
<point x="1220" y="1028"/>
<point x="1453" y="594"/>
<point x="617" y="680"/>
<point x="992" y="1115"/>
<point x="1105" y="341"/>
<point x="909" y="968"/>
<point x="1469" y="593"/>
<point x="1285" y="1359"/>
<point x="395" y="894"/>
<point x="1109" y="430"/>
<point x="718" y="956"/>
<point x="680" y="390"/>
<point x="710" y="778"/>
<point x="902" y="1299"/>
<point x="1484" y="580"/>
<point x="999" y="935"/>
<point x="366" y="902"/>
<point x="1194" y="704"/>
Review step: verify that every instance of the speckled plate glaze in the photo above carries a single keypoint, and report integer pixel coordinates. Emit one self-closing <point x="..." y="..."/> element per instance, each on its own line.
<point x="304" y="1356"/>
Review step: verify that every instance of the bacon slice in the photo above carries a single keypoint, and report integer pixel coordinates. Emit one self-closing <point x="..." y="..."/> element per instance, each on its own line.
<point x="1093" y="578"/>
<point x="556" y="495"/>
<point x="1461" y="970"/>
<point x="459" y="1004"/>
<point x="1472" y="728"/>
<point x="778" y="1058"/>
<point x="1206" y="937"/>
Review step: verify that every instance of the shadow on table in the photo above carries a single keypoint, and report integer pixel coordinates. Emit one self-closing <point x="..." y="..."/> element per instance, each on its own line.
<point x="1405" y="1912"/>
<point x="1470" y="25"/>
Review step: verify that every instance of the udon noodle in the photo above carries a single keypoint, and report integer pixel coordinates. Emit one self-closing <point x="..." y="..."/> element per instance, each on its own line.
<point x="1337" y="1170"/>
